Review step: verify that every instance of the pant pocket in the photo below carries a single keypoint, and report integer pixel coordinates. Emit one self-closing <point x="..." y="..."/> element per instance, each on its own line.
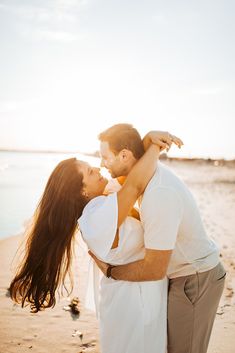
<point x="219" y="273"/>
<point x="191" y="288"/>
<point x="223" y="277"/>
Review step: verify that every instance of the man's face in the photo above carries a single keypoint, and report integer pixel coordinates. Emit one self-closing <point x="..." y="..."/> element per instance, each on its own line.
<point x="109" y="160"/>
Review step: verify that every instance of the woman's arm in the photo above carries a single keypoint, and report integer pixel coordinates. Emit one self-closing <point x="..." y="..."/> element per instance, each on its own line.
<point x="162" y="138"/>
<point x="136" y="182"/>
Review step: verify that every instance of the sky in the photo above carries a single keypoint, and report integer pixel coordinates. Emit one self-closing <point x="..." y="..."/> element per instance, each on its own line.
<point x="71" y="68"/>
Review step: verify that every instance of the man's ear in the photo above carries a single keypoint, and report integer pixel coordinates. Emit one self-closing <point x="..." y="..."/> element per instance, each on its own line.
<point x="125" y="155"/>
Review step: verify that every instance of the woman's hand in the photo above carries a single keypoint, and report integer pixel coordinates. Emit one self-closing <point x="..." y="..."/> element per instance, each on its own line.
<point x="161" y="138"/>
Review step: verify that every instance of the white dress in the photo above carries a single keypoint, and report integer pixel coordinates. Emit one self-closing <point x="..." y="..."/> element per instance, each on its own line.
<point x="132" y="315"/>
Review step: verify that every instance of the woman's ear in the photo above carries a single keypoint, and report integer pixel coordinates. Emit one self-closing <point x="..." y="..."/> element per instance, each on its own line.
<point x="84" y="193"/>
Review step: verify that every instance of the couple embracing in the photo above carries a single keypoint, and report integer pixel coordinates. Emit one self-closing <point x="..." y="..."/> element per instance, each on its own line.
<point x="162" y="277"/>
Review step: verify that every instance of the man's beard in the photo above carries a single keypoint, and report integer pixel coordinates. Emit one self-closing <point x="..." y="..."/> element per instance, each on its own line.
<point x="116" y="174"/>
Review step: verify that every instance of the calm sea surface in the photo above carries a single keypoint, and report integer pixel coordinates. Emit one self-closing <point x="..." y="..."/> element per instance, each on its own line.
<point x="23" y="177"/>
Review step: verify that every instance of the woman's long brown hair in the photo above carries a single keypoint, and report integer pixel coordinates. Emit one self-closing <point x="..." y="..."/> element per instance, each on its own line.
<point x="49" y="247"/>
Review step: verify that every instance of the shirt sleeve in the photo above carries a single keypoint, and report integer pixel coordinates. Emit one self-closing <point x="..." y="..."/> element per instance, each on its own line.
<point x="98" y="224"/>
<point x="161" y="214"/>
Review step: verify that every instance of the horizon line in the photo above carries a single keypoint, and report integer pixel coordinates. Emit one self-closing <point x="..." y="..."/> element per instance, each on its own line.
<point x="96" y="154"/>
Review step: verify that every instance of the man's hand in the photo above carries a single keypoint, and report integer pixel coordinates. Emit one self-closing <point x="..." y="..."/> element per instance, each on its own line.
<point x="102" y="265"/>
<point x="161" y="138"/>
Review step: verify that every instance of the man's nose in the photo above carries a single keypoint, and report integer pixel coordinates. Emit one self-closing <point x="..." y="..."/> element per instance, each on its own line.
<point x="102" y="163"/>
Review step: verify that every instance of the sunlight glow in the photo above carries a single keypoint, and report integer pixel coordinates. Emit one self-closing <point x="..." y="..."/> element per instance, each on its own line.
<point x="73" y="72"/>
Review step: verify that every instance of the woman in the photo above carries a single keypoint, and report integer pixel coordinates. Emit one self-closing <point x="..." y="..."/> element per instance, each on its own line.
<point x="74" y="191"/>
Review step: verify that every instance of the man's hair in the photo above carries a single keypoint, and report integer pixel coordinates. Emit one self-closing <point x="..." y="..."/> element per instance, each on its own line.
<point x="123" y="136"/>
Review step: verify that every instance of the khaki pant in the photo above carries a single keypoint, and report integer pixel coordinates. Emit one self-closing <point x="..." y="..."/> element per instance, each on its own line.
<point x="192" y="304"/>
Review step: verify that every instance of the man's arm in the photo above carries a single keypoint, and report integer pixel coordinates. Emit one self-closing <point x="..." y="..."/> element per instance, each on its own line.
<point x="152" y="268"/>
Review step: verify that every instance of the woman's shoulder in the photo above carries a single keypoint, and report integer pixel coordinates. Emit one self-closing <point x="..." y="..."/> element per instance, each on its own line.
<point x="95" y="202"/>
<point x="98" y="223"/>
<point x="99" y="207"/>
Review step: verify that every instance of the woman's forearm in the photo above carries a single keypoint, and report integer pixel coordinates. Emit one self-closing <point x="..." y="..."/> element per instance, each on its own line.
<point x="136" y="182"/>
<point x="161" y="138"/>
<point x="144" y="169"/>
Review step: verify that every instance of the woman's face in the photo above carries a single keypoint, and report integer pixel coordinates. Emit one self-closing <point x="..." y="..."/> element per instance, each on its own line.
<point x="94" y="182"/>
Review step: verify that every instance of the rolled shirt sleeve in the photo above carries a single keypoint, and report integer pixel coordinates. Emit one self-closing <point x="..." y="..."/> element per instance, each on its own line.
<point x="98" y="224"/>
<point x="161" y="214"/>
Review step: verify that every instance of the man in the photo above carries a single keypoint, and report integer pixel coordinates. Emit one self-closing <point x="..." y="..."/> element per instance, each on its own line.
<point x="176" y="244"/>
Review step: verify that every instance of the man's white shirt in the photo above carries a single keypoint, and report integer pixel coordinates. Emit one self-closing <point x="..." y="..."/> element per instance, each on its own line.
<point x="171" y="220"/>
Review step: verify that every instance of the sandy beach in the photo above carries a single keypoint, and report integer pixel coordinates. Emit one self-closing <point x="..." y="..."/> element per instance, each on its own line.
<point x="57" y="330"/>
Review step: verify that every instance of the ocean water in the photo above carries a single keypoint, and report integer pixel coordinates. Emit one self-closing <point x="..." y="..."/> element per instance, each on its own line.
<point x="23" y="177"/>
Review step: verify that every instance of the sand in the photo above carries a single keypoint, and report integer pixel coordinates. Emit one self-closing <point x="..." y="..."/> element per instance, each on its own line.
<point x="57" y="330"/>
